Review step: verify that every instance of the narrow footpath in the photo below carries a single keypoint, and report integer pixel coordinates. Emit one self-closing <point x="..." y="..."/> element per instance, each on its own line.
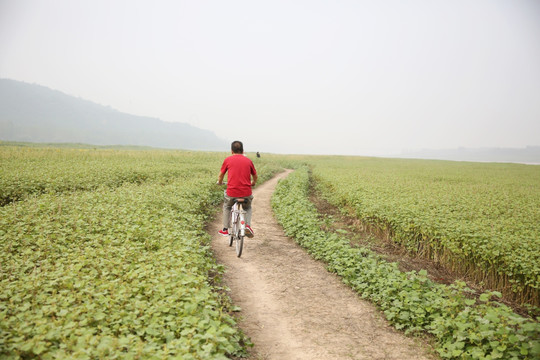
<point x="292" y="307"/>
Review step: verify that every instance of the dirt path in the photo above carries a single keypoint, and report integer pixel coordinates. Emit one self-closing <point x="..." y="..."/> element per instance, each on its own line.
<point x="292" y="308"/>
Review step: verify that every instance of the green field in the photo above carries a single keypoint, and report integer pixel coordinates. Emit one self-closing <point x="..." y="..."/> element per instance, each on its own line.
<point x="103" y="252"/>
<point x="481" y="220"/>
<point x="463" y="326"/>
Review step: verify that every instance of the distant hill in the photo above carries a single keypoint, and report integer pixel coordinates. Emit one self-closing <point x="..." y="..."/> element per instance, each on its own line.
<point x="34" y="113"/>
<point x="528" y="155"/>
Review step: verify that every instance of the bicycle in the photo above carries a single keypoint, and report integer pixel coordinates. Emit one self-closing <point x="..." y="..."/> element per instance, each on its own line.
<point x="237" y="228"/>
<point x="237" y="223"/>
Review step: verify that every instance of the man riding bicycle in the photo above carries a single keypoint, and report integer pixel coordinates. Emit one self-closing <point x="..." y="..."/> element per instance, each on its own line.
<point x="241" y="177"/>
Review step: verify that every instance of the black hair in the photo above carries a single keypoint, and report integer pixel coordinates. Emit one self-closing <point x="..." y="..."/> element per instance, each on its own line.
<point x="237" y="147"/>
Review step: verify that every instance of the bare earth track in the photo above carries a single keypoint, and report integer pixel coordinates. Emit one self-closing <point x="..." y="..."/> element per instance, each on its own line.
<point x="292" y="307"/>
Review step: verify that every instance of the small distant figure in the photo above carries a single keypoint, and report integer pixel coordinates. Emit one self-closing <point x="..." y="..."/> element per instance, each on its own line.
<point x="258" y="155"/>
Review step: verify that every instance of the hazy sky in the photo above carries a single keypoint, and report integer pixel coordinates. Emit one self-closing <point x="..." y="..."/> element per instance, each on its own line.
<point x="319" y="77"/>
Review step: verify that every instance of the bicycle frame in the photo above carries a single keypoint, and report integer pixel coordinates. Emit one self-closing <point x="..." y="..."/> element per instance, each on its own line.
<point x="237" y="226"/>
<point x="242" y="214"/>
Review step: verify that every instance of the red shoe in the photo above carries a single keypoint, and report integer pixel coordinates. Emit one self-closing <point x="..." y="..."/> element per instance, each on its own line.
<point x="224" y="232"/>
<point x="249" y="231"/>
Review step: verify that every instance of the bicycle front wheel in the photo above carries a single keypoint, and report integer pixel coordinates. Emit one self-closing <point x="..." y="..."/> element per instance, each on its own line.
<point x="239" y="245"/>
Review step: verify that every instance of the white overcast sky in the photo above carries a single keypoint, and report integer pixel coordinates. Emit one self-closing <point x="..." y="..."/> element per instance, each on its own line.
<point x="319" y="77"/>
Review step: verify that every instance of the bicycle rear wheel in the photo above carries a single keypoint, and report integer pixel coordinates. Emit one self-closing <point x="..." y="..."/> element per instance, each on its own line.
<point x="232" y="227"/>
<point x="232" y="234"/>
<point x="239" y="244"/>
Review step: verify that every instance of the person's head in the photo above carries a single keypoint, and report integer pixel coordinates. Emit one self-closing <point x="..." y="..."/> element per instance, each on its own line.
<point x="237" y="147"/>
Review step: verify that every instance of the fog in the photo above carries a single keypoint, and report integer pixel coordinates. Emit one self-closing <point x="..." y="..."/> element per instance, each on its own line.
<point x="309" y="77"/>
